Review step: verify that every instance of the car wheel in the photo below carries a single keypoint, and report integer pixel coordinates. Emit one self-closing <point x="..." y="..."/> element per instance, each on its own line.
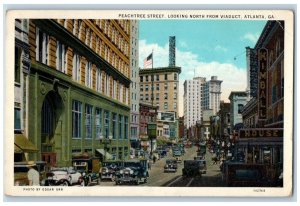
<point x="89" y="181"/>
<point x="70" y="180"/>
<point x="65" y="183"/>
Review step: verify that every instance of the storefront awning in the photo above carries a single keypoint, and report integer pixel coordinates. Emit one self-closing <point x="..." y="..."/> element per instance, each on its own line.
<point x="108" y="156"/>
<point x="22" y="144"/>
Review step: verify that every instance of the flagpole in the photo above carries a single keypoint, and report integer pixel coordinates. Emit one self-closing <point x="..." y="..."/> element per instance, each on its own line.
<point x="152" y="98"/>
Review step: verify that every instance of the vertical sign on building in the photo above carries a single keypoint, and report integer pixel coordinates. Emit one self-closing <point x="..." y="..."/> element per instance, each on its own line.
<point x="172" y="51"/>
<point x="253" y="73"/>
<point x="262" y="86"/>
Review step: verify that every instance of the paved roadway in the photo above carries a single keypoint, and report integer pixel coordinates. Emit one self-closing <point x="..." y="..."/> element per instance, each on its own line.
<point x="157" y="177"/>
<point x="212" y="178"/>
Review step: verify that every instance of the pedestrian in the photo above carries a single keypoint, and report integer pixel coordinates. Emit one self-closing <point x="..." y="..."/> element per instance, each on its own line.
<point x="149" y="165"/>
<point x="33" y="175"/>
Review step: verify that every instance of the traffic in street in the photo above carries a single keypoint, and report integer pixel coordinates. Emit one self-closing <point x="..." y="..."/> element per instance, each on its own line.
<point x="158" y="176"/>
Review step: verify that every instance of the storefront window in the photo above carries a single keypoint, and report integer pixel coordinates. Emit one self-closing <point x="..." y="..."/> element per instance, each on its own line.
<point x="88" y="121"/>
<point x="106" y="124"/>
<point x="98" y="120"/>
<point x="76" y="119"/>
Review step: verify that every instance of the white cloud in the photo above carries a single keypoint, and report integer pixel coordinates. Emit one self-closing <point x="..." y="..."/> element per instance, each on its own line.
<point x="183" y="44"/>
<point x="234" y="78"/>
<point x="220" y="48"/>
<point x="252" y="37"/>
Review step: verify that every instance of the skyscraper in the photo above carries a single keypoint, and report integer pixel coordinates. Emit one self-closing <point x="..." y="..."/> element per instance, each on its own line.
<point x="135" y="88"/>
<point x="200" y="94"/>
<point x="212" y="94"/>
<point x="193" y="100"/>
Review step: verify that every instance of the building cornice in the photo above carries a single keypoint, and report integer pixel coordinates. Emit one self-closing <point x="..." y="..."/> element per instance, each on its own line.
<point x="160" y="70"/>
<point x="55" y="29"/>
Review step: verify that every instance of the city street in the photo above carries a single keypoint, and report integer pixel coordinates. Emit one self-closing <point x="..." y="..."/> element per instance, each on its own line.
<point x="157" y="177"/>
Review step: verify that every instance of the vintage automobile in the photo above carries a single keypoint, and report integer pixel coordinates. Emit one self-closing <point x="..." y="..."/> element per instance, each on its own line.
<point x="109" y="169"/>
<point x="162" y="153"/>
<point x="177" y="152"/>
<point x="170" y="166"/>
<point x="21" y="170"/>
<point x="64" y="177"/>
<point x="88" y="177"/>
<point x="194" y="168"/>
<point x="199" y="158"/>
<point x="239" y="174"/>
<point x="88" y="167"/>
<point x="201" y="149"/>
<point x="134" y="172"/>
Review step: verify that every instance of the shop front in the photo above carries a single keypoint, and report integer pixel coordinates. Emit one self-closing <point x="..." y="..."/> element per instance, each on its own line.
<point x="261" y="146"/>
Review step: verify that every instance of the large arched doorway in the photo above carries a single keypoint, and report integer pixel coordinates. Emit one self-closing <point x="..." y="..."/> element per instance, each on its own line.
<point x="51" y="127"/>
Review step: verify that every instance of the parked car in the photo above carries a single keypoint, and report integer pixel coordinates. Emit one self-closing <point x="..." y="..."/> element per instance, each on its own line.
<point x="162" y="153"/>
<point x="176" y="153"/>
<point x="170" y="166"/>
<point x="21" y="172"/>
<point x="109" y="170"/>
<point x="245" y="175"/>
<point x="64" y="177"/>
<point x="88" y="177"/>
<point x="199" y="158"/>
<point x="134" y="172"/>
<point x="194" y="168"/>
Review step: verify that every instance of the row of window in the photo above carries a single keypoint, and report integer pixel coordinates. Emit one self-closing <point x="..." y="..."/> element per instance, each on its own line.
<point x="157" y="96"/>
<point x="42" y="52"/>
<point x="108" y="29"/>
<point x="98" y="120"/>
<point x="100" y="47"/>
<point x="157" y="78"/>
<point x="147" y="87"/>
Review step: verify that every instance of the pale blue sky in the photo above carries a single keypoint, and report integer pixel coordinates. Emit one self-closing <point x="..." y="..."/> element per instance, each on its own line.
<point x="203" y="48"/>
<point x="211" y="40"/>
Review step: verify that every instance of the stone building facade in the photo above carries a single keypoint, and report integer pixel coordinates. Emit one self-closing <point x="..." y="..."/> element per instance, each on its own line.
<point x="79" y="87"/>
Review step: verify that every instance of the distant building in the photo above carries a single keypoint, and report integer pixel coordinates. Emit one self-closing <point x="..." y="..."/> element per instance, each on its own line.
<point x="135" y="88"/>
<point x="238" y="100"/>
<point x="224" y="114"/>
<point x="165" y="86"/>
<point x="181" y="127"/>
<point x="205" y="125"/>
<point x="148" y="113"/>
<point x="193" y="100"/>
<point x="212" y="94"/>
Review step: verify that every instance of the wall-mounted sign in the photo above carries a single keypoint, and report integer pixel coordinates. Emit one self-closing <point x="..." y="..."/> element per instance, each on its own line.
<point x="262" y="86"/>
<point x="166" y="116"/>
<point x="260" y="133"/>
<point x="253" y="73"/>
<point x="151" y="130"/>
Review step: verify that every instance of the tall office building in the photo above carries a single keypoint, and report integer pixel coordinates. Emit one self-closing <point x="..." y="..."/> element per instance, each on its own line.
<point x="212" y="94"/>
<point x="135" y="89"/>
<point x="77" y="88"/>
<point x="193" y="100"/>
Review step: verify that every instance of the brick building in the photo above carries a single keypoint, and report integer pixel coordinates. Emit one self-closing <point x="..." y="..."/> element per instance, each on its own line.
<point x="78" y="91"/>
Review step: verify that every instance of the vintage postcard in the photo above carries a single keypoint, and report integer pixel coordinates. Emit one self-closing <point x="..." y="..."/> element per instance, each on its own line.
<point x="149" y="103"/>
